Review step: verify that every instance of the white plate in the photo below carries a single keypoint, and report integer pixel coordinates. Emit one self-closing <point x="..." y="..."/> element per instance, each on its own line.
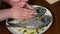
<point x="14" y="30"/>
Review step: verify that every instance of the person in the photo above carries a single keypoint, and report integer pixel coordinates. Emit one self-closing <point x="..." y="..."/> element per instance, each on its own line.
<point x="17" y="11"/>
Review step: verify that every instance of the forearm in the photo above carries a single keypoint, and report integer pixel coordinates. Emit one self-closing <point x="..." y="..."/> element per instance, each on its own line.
<point x="4" y="14"/>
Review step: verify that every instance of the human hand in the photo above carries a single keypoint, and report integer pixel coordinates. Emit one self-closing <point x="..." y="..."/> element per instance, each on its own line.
<point x="22" y="13"/>
<point x="19" y="3"/>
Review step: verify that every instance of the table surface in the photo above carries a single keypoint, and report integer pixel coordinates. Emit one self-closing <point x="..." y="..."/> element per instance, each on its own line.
<point x="54" y="8"/>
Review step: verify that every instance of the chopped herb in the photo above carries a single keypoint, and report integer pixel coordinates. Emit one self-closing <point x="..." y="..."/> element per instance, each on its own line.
<point x="37" y="31"/>
<point x="43" y="21"/>
<point x="42" y="29"/>
<point x="25" y="30"/>
<point x="32" y="33"/>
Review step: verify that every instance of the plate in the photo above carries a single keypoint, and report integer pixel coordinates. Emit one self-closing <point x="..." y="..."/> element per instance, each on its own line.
<point x="42" y="14"/>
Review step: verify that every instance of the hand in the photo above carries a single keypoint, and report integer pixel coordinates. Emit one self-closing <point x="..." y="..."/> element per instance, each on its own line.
<point x="22" y="13"/>
<point x="19" y="3"/>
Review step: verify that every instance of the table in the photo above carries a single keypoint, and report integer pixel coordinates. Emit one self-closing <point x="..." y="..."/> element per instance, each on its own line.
<point x="54" y="8"/>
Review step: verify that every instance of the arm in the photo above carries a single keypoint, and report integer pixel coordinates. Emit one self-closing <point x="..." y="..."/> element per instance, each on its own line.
<point x="17" y="13"/>
<point x="4" y="14"/>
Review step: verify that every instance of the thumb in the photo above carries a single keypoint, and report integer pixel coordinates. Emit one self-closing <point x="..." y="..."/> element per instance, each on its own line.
<point x="27" y="5"/>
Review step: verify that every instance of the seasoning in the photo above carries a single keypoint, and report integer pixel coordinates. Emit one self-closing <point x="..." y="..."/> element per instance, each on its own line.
<point x="37" y="31"/>
<point x="24" y="31"/>
<point x="32" y="33"/>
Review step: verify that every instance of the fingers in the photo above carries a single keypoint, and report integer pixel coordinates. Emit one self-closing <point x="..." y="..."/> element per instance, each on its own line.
<point x="23" y="17"/>
<point x="19" y="0"/>
<point x="15" y="1"/>
<point x="22" y="13"/>
<point x="27" y="5"/>
<point x="30" y="15"/>
<point x="27" y="16"/>
<point x="24" y="0"/>
<point x="32" y="12"/>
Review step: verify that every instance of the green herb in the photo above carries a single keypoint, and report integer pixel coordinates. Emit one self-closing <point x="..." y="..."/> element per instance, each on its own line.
<point x="32" y="33"/>
<point x="41" y="28"/>
<point x="24" y="31"/>
<point x="37" y="30"/>
<point x="43" y="21"/>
